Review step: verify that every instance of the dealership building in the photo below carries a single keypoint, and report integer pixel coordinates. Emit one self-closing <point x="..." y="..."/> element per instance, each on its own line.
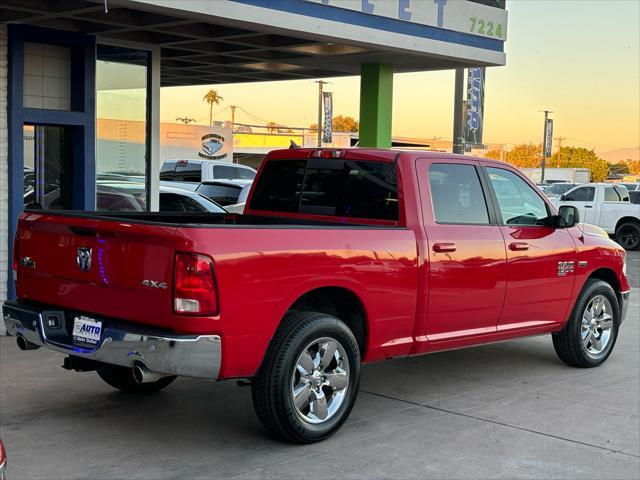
<point x="79" y="79"/>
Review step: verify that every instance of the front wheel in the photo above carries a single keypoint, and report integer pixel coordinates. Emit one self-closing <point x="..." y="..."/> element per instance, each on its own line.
<point x="628" y="235"/>
<point x="308" y="383"/>
<point x="588" y="338"/>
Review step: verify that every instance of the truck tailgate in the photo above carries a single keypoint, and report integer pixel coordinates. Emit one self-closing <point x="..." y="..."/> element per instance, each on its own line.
<point x="52" y="251"/>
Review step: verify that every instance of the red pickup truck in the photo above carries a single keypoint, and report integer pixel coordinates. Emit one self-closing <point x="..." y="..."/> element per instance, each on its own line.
<point x="341" y="257"/>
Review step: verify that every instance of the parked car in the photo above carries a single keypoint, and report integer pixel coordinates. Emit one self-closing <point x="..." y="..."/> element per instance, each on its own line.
<point x="172" y="199"/>
<point x="631" y="187"/>
<point x="238" y="207"/>
<point x="607" y="205"/>
<point x="204" y="170"/>
<point x="3" y="461"/>
<point x="223" y="192"/>
<point x="341" y="257"/>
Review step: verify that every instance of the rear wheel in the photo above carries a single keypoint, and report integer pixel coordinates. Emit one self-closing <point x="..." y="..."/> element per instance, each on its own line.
<point x="588" y="338"/>
<point x="628" y="235"/>
<point x="122" y="379"/>
<point x="308" y="383"/>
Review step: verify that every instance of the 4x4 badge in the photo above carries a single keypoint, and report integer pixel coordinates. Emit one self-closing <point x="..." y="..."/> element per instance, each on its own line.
<point x="564" y="268"/>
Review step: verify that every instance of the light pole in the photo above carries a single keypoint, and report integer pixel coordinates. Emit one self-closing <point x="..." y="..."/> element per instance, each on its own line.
<point x="458" y="113"/>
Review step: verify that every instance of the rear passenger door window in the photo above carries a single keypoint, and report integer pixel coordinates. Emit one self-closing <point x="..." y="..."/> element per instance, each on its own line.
<point x="519" y="203"/>
<point x="245" y="173"/>
<point x="188" y="171"/>
<point x="167" y="172"/>
<point x="456" y="194"/>
<point x="350" y="189"/>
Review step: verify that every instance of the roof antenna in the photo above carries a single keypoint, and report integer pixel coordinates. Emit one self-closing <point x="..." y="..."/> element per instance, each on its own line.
<point x="293" y="144"/>
<point x="106" y="7"/>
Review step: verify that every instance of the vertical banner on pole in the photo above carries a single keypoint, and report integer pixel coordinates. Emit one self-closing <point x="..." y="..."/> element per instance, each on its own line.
<point x="548" y="137"/>
<point x="327" y="99"/>
<point x="473" y="121"/>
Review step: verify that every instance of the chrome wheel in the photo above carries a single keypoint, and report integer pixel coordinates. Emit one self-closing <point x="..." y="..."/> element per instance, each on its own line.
<point x="320" y="380"/>
<point x="597" y="322"/>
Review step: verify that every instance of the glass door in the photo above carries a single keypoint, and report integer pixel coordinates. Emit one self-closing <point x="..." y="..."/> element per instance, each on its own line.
<point x="122" y="128"/>
<point x="48" y="166"/>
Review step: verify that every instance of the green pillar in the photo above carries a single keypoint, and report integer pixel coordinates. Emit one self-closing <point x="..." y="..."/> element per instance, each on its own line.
<point x="376" y="105"/>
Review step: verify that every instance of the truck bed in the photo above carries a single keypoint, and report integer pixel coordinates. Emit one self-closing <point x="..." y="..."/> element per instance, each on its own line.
<point x="204" y="219"/>
<point x="262" y="266"/>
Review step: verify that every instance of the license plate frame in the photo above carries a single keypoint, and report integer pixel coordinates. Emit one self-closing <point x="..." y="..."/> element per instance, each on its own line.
<point x="86" y="330"/>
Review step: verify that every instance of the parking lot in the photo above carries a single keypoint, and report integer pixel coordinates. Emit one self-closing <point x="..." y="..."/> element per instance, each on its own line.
<point x="507" y="410"/>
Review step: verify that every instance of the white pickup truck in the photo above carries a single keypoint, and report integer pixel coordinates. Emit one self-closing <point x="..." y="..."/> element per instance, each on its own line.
<point x="606" y="205"/>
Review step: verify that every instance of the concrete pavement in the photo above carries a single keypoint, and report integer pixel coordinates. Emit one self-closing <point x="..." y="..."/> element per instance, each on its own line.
<point x="507" y="410"/>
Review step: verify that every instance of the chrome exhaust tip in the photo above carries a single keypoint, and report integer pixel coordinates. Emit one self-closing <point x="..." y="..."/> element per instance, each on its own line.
<point x="142" y="374"/>
<point x="24" y="344"/>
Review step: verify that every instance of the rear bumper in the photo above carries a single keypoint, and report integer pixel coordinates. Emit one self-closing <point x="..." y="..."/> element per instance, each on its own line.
<point x="624" y="304"/>
<point x="120" y="344"/>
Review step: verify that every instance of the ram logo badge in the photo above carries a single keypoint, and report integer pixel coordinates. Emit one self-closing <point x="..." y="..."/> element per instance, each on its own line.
<point x="564" y="268"/>
<point x="154" y="284"/>
<point x="83" y="258"/>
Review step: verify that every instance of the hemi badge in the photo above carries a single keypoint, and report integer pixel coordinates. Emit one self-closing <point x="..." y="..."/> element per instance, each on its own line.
<point x="583" y="263"/>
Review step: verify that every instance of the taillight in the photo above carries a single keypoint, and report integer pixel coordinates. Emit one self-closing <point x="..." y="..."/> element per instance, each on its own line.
<point x="194" y="285"/>
<point x="15" y="258"/>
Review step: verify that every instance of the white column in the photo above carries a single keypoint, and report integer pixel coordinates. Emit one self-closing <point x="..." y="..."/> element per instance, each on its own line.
<point x="154" y="141"/>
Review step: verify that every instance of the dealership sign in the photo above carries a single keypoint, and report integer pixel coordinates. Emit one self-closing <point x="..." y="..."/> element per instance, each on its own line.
<point x="327" y="128"/>
<point x="475" y="106"/>
<point x="548" y="137"/>
<point x="212" y="143"/>
<point x="457" y="15"/>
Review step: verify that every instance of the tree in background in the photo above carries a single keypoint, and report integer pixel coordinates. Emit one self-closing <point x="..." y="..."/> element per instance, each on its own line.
<point x="340" y="124"/>
<point x="212" y="97"/>
<point x="578" y="157"/>
<point x="529" y="156"/>
<point x="526" y="155"/>
<point x="345" y="124"/>
<point x="634" y="166"/>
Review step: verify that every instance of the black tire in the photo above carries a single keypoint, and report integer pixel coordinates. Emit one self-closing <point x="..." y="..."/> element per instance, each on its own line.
<point x="568" y="342"/>
<point x="122" y="379"/>
<point x="628" y="235"/>
<point x="272" y="386"/>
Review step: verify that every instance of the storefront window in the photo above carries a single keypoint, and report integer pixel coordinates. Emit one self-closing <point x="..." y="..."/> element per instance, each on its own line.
<point x="122" y="140"/>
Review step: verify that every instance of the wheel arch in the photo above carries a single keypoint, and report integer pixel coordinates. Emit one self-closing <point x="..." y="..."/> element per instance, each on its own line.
<point x="627" y="219"/>
<point x="340" y="302"/>
<point x="609" y="276"/>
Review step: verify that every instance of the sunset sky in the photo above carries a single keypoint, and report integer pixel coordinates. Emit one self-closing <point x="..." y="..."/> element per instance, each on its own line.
<point x="579" y="58"/>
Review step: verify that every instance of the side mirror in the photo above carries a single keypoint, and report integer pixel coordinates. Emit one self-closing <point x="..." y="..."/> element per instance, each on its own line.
<point x="568" y="216"/>
<point x="563" y="197"/>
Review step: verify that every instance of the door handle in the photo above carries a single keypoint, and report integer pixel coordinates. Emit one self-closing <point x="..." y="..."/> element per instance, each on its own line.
<point x="444" y="247"/>
<point x="518" y="246"/>
<point x="588" y="206"/>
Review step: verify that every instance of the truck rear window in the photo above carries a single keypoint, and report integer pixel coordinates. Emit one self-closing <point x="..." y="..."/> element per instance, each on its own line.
<point x="330" y="187"/>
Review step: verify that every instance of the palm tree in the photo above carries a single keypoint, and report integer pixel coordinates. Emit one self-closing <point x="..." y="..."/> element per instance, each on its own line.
<point x="212" y="97"/>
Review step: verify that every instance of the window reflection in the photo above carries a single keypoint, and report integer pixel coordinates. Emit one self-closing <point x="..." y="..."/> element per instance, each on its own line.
<point x="121" y="128"/>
